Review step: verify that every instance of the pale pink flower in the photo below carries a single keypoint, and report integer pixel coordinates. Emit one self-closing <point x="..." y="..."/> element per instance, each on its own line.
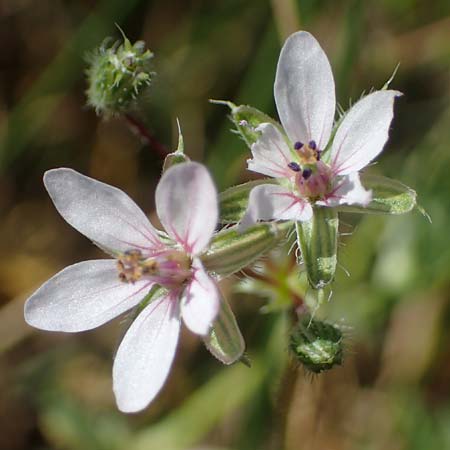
<point x="88" y="294"/>
<point x="305" y="98"/>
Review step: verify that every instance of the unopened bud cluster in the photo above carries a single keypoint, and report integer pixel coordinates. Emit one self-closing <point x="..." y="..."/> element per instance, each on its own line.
<point x="118" y="74"/>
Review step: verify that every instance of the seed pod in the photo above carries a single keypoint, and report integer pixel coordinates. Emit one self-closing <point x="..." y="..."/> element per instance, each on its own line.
<point x="316" y="344"/>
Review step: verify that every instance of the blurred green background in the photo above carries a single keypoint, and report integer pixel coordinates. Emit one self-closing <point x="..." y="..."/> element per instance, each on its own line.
<point x="393" y="390"/>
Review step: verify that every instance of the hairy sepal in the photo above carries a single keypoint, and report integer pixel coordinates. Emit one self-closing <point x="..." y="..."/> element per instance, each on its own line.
<point x="224" y="339"/>
<point x="317" y="240"/>
<point x="233" y="202"/>
<point x="388" y="197"/>
<point x="246" y="120"/>
<point x="230" y="250"/>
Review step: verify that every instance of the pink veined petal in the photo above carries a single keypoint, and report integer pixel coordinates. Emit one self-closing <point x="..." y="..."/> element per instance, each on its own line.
<point x="363" y="132"/>
<point x="145" y="355"/>
<point x="186" y="201"/>
<point x="271" y="154"/>
<point x="304" y="90"/>
<point x="349" y="191"/>
<point x="103" y="213"/>
<point x="201" y="301"/>
<point x="83" y="296"/>
<point x="268" y="202"/>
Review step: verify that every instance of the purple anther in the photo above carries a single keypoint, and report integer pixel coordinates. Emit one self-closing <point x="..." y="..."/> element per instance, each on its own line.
<point x="306" y="173"/>
<point x="312" y="145"/>
<point x="294" y="166"/>
<point x="318" y="154"/>
<point x="298" y="145"/>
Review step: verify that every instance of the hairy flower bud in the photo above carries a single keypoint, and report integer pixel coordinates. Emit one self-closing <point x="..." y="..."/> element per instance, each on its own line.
<point x="117" y="75"/>
<point x="317" y="344"/>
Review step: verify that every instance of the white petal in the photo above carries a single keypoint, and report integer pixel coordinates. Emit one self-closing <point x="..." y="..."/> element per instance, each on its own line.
<point x="101" y="212"/>
<point x="304" y="90"/>
<point x="201" y="301"/>
<point x="268" y="201"/>
<point x="186" y="201"/>
<point x="83" y="296"/>
<point x="271" y="154"/>
<point x="363" y="132"/>
<point x="145" y="355"/>
<point x="349" y="191"/>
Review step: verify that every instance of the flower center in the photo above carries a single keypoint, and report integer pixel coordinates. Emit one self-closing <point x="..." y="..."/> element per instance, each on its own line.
<point x="170" y="268"/>
<point x="312" y="176"/>
<point x="315" y="182"/>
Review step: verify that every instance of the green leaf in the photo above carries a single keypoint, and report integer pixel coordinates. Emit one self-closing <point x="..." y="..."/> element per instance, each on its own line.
<point x="225" y="340"/>
<point x="233" y="201"/>
<point x="388" y="197"/>
<point x="317" y="239"/>
<point x="230" y="250"/>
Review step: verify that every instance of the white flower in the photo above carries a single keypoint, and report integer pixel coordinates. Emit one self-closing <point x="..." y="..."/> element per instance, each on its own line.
<point x="88" y="294"/>
<point x="305" y="98"/>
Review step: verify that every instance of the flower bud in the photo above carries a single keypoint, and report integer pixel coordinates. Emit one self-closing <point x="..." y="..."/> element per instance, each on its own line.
<point x="117" y="75"/>
<point x="316" y="344"/>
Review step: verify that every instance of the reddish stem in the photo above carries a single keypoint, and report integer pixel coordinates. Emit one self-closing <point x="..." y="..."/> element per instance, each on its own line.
<point x="146" y="136"/>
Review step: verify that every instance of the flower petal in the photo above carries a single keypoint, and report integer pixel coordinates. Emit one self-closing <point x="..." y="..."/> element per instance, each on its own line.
<point x="145" y="355"/>
<point x="186" y="201"/>
<point x="349" y="191"/>
<point x="268" y="202"/>
<point x="304" y="90"/>
<point x="201" y="301"/>
<point x="363" y="132"/>
<point x="83" y="296"/>
<point x="271" y="154"/>
<point x="101" y="212"/>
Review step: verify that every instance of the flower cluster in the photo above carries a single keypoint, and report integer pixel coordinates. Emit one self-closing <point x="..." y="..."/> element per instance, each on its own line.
<point x="171" y="275"/>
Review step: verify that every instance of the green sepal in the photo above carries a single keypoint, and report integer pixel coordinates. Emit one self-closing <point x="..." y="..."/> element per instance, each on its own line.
<point x="233" y="202"/>
<point x="388" y="197"/>
<point x="178" y="156"/>
<point x="155" y="293"/>
<point x="174" y="158"/>
<point x="224" y="339"/>
<point x="317" y="239"/>
<point x="247" y="119"/>
<point x="230" y="250"/>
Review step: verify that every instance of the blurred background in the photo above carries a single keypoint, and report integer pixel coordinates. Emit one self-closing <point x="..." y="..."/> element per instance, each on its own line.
<point x="393" y="390"/>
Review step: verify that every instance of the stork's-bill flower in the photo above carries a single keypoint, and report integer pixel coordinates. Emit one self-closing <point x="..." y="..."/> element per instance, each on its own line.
<point x="90" y="293"/>
<point x="310" y="169"/>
